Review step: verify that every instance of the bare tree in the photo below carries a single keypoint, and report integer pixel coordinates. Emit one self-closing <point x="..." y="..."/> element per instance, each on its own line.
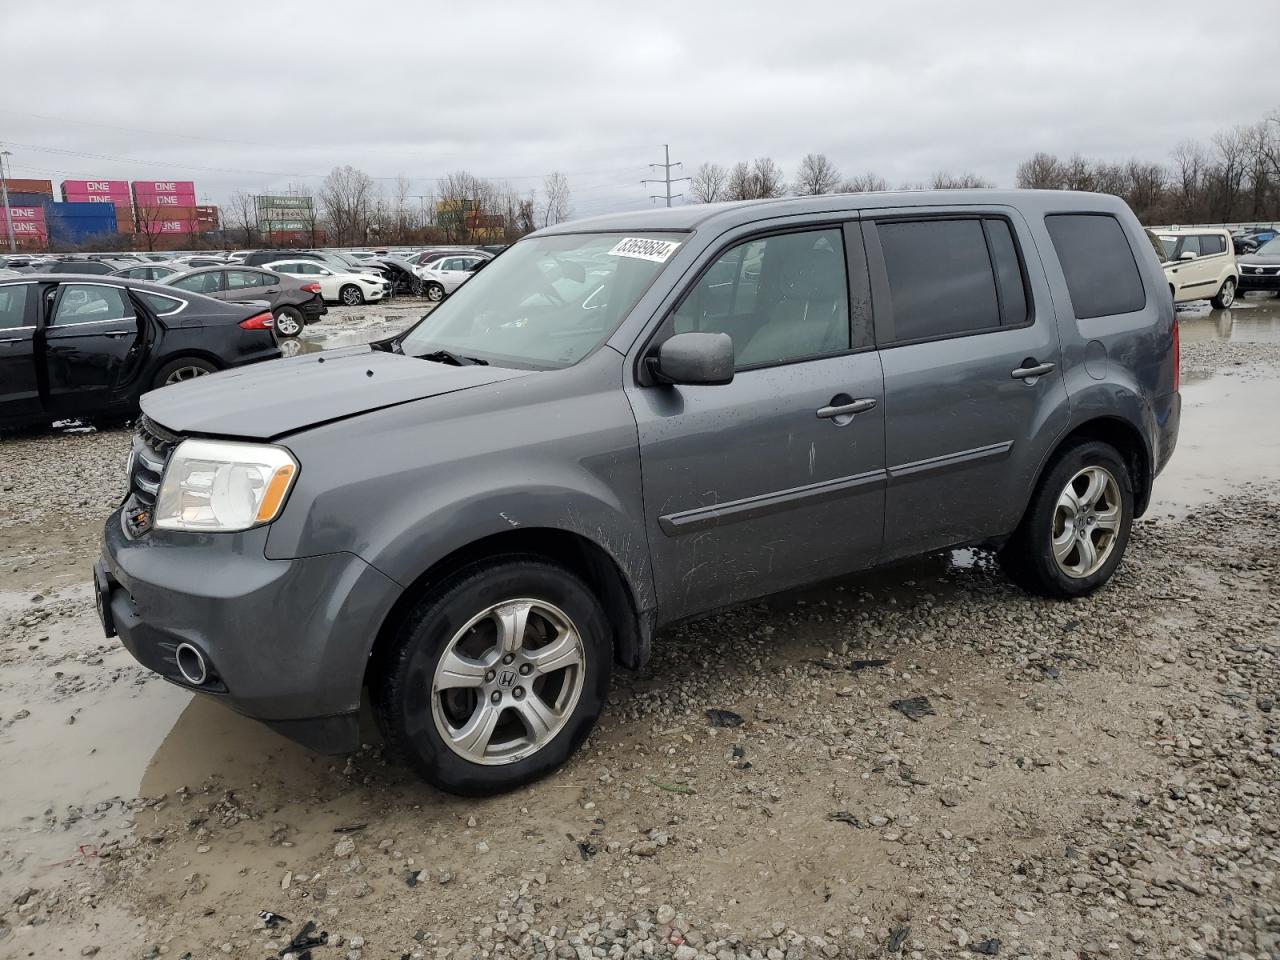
<point x="957" y="181"/>
<point x="242" y="214"/>
<point x="1041" y="172"/>
<point x="816" y="175"/>
<point x="557" y="204"/>
<point x="348" y="196"/>
<point x="710" y="183"/>
<point x="770" y="181"/>
<point x="865" y="183"/>
<point x="741" y="184"/>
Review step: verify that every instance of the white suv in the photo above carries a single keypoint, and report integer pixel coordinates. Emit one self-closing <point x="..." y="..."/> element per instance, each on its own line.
<point x="1200" y="264"/>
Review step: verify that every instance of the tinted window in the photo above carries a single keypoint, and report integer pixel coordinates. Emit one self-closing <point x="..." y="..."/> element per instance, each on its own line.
<point x="240" y="279"/>
<point x="780" y="298"/>
<point x="940" y="278"/>
<point x="13" y="306"/>
<point x="159" y="304"/>
<point x="1009" y="283"/>
<point x="210" y="282"/>
<point x="1102" y="276"/>
<point x="85" y="303"/>
<point x="1211" y="244"/>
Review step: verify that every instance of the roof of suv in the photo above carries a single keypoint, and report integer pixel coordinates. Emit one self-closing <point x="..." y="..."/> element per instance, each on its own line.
<point x="734" y="212"/>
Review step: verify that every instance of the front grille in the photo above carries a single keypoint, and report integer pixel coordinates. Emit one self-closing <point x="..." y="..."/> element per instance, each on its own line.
<point x="152" y="447"/>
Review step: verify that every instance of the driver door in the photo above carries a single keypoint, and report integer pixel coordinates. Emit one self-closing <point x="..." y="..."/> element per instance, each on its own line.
<point x="92" y="338"/>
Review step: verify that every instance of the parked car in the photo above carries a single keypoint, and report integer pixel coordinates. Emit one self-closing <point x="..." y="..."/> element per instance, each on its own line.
<point x="1201" y="265"/>
<point x="88" y="345"/>
<point x="260" y="258"/>
<point x="151" y="271"/>
<point x="295" y="303"/>
<point x="441" y="277"/>
<point x="629" y="421"/>
<point x="83" y="266"/>
<point x="430" y="256"/>
<point x="1260" y="270"/>
<point x="401" y="276"/>
<point x="1249" y="240"/>
<point x="336" y="286"/>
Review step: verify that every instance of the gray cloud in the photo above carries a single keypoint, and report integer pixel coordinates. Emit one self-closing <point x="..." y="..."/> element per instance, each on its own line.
<point x="256" y="95"/>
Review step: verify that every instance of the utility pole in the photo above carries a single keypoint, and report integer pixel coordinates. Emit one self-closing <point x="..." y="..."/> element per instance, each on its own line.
<point x="4" y="189"/>
<point x="666" y="176"/>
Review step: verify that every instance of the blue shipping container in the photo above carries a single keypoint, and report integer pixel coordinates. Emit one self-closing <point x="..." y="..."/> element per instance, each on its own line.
<point x="79" y="222"/>
<point x="17" y="199"/>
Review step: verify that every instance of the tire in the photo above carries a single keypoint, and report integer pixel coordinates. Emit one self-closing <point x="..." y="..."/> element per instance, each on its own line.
<point x="289" y="322"/>
<point x="351" y="295"/>
<point x="427" y="727"/>
<point x="418" y="287"/>
<point x="1030" y="559"/>
<point x="183" y="368"/>
<point x="1225" y="296"/>
<point x="435" y="292"/>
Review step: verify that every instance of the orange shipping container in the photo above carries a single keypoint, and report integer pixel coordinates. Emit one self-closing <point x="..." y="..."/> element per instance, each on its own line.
<point x="31" y="186"/>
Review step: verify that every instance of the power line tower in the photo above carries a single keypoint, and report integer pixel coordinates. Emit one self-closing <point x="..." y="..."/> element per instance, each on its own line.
<point x="666" y="176"/>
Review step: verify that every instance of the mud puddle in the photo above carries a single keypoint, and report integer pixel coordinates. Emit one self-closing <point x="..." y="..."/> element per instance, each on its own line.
<point x="1250" y="320"/>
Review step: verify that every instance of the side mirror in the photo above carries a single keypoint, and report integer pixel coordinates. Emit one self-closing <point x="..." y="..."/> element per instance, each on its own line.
<point x="1186" y="255"/>
<point x="694" y="359"/>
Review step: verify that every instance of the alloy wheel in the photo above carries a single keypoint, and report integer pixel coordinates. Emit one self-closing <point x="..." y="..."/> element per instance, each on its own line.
<point x="288" y="326"/>
<point x="508" y="681"/>
<point x="351" y="297"/>
<point x="184" y="373"/>
<point x="1086" y="522"/>
<point x="1228" y="294"/>
<point x="435" y="293"/>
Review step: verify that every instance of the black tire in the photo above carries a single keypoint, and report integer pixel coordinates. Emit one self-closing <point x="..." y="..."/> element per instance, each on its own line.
<point x="401" y="681"/>
<point x="1225" y="296"/>
<point x="345" y="295"/>
<point x="1028" y="557"/>
<point x="435" y="292"/>
<point x="289" y="322"/>
<point x="171" y="368"/>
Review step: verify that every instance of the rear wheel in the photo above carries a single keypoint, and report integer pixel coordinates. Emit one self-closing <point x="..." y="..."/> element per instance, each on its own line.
<point x="351" y="295"/>
<point x="289" y="322"/>
<point x="435" y="292"/>
<point x="496" y="677"/>
<point x="1226" y="296"/>
<point x="1076" y="528"/>
<point x="184" y="368"/>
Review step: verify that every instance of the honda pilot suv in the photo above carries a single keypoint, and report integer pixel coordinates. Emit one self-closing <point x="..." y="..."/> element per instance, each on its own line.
<point x="630" y="421"/>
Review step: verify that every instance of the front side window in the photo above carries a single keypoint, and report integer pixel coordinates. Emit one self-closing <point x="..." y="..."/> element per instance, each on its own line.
<point x="547" y="302"/>
<point x="1189" y="245"/>
<point x="85" y="303"/>
<point x="941" y="279"/>
<point x="1097" y="262"/>
<point x="13" y="306"/>
<point x="779" y="298"/>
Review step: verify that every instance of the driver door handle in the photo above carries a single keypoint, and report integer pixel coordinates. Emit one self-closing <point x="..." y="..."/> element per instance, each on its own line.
<point x="118" y="333"/>
<point x="1032" y="369"/>
<point x="846" y="409"/>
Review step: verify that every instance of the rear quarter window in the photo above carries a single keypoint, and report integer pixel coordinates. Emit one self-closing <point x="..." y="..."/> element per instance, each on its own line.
<point x="1097" y="261"/>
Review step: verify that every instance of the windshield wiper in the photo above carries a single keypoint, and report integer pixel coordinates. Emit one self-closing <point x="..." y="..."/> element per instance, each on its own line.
<point x="457" y="359"/>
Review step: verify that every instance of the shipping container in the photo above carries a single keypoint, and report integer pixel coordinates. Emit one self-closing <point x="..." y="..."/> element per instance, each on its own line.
<point x="30" y="214"/>
<point x="42" y="187"/>
<point x="151" y="188"/>
<point x="79" y="222"/>
<point x="21" y="198"/>
<point x="116" y="189"/>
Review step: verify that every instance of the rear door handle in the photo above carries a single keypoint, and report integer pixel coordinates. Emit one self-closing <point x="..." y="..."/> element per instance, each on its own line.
<point x="846" y="409"/>
<point x="1032" y="369"/>
<point x="118" y="333"/>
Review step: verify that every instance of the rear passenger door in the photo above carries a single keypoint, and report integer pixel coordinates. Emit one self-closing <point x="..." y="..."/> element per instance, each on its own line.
<point x="974" y="395"/>
<point x="250" y="285"/>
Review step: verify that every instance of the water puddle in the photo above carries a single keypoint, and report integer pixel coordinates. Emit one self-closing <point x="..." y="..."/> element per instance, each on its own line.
<point x="1250" y="320"/>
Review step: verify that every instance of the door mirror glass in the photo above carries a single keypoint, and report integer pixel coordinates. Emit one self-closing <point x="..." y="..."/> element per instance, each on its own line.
<point x="694" y="359"/>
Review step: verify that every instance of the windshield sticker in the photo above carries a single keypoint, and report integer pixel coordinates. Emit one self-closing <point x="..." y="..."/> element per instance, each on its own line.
<point x="659" y="251"/>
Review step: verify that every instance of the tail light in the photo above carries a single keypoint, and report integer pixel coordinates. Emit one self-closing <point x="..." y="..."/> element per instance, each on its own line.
<point x="311" y="287"/>
<point x="259" y="321"/>
<point x="1177" y="357"/>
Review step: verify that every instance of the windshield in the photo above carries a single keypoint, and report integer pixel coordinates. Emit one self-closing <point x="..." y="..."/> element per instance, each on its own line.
<point x="1270" y="249"/>
<point x="547" y="302"/>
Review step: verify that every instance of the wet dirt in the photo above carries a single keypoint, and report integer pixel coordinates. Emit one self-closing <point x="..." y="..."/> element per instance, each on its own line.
<point x="145" y="817"/>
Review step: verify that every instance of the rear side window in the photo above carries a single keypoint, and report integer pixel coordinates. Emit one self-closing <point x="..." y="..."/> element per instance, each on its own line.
<point x="1097" y="261"/>
<point x="161" y="305"/>
<point x="941" y="281"/>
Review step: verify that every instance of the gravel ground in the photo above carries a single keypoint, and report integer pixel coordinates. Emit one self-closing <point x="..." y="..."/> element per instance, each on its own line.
<point x="922" y="762"/>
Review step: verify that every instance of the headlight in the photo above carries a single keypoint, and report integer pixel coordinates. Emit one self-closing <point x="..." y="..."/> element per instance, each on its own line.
<point x="220" y="486"/>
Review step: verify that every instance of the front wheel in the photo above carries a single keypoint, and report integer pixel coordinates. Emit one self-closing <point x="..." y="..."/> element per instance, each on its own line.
<point x="1226" y="296"/>
<point x="351" y="295"/>
<point x="1075" y="529"/>
<point x="435" y="292"/>
<point x="496" y="677"/>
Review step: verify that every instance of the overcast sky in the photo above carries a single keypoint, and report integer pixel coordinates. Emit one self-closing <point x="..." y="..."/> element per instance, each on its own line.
<point x="258" y="95"/>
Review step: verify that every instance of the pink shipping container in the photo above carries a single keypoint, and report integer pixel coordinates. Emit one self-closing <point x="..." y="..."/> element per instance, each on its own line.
<point x="163" y="200"/>
<point x="24" y="214"/>
<point x="74" y="191"/>
<point x="164" y="193"/>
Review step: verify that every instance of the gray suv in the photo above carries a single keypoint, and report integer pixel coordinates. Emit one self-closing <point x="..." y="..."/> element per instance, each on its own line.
<point x="627" y="422"/>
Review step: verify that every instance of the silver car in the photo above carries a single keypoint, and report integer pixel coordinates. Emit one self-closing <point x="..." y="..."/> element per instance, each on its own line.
<point x="449" y="273"/>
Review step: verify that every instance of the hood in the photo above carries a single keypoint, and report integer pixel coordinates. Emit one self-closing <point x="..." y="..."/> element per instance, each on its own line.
<point x="274" y="398"/>
<point x="1257" y="260"/>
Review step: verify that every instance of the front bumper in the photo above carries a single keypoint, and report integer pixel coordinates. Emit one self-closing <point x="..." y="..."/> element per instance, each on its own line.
<point x="1258" y="281"/>
<point x="286" y="641"/>
<point x="374" y="293"/>
<point x="313" y="309"/>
